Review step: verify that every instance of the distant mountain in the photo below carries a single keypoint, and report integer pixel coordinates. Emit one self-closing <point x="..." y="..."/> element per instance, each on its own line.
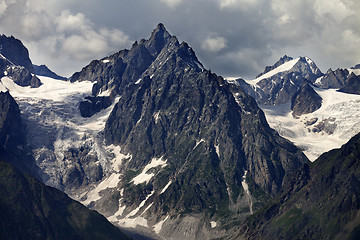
<point x="351" y="84"/>
<point x="316" y="118"/>
<point x="43" y="70"/>
<point x="320" y="201"/>
<point x="340" y="78"/>
<point x="281" y="61"/>
<point x="279" y="83"/>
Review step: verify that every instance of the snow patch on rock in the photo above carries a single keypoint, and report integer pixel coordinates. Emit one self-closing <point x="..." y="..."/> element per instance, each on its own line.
<point x="157" y="227"/>
<point x="144" y="176"/>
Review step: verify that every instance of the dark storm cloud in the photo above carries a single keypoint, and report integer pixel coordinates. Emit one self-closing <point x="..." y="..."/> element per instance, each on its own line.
<point x="230" y="37"/>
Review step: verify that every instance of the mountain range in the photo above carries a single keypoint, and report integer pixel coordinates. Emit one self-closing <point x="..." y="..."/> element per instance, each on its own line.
<point x="165" y="148"/>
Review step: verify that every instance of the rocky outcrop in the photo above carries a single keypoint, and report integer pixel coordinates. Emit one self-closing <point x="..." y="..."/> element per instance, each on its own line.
<point x="306" y="100"/>
<point x="92" y="105"/>
<point x="319" y="201"/>
<point x="22" y="76"/>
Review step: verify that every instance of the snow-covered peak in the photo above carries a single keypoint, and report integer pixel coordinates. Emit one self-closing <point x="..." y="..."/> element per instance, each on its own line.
<point x="282" y="68"/>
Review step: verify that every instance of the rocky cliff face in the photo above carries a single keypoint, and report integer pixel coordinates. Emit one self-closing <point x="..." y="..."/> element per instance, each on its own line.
<point x="320" y="201"/>
<point x="13" y="144"/>
<point x="196" y="150"/>
<point x="13" y="50"/>
<point x="112" y="74"/>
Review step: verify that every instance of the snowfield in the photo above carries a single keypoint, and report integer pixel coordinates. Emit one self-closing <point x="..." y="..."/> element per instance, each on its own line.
<point x="339" y="115"/>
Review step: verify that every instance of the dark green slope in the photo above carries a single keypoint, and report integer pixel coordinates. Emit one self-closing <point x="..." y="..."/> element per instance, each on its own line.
<point x="31" y="210"/>
<point x="321" y="201"/>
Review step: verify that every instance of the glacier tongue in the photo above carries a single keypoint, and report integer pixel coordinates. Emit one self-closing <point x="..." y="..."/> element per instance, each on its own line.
<point x="56" y="130"/>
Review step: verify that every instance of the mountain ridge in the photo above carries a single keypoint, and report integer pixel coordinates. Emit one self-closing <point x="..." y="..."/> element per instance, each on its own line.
<point x="319" y="201"/>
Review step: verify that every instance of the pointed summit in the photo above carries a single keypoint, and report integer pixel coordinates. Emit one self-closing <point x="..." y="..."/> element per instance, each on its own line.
<point x="158" y="39"/>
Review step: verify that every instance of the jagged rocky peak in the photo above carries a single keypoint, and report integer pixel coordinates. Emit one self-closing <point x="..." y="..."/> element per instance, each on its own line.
<point x="306" y="100"/>
<point x="115" y="73"/>
<point x="332" y="79"/>
<point x="158" y="39"/>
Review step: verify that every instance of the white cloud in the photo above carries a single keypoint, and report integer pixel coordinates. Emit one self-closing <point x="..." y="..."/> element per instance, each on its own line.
<point x="72" y="23"/>
<point x="67" y="34"/>
<point x="3" y="7"/>
<point x="214" y="43"/>
<point x="236" y="4"/>
<point x="57" y="38"/>
<point x="336" y="10"/>
<point x="171" y="3"/>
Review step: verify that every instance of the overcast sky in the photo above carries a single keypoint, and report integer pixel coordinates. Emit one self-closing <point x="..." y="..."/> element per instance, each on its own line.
<point x="230" y="37"/>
